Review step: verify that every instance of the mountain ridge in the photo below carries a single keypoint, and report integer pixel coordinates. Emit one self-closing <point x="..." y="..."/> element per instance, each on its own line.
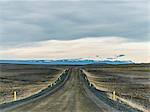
<point x="68" y="61"/>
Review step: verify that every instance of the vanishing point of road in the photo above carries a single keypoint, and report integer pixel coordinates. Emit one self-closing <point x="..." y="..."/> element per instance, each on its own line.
<point x="71" y="97"/>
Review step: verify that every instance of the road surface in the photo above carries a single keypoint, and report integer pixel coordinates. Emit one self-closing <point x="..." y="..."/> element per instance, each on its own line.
<point x="71" y="97"/>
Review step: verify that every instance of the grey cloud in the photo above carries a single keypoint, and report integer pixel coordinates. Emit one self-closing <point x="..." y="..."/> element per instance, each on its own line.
<point x="23" y="22"/>
<point x="117" y="56"/>
<point x="120" y="55"/>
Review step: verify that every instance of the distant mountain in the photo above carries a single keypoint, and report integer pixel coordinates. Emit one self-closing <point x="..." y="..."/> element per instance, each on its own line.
<point x="67" y="61"/>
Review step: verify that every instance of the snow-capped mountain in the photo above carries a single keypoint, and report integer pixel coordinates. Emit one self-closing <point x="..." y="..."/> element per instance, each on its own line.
<point x="67" y="61"/>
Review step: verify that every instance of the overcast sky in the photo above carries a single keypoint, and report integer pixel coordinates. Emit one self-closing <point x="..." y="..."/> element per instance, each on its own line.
<point x="24" y="25"/>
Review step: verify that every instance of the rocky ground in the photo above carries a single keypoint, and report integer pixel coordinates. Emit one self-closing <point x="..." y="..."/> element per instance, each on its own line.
<point x="25" y="79"/>
<point x="131" y="81"/>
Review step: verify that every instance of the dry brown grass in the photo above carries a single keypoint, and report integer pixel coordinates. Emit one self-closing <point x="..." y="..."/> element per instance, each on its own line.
<point x="131" y="82"/>
<point x="25" y="79"/>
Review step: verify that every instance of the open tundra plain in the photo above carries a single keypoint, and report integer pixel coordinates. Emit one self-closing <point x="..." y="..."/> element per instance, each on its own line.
<point x="130" y="81"/>
<point x="68" y="88"/>
<point x="25" y="79"/>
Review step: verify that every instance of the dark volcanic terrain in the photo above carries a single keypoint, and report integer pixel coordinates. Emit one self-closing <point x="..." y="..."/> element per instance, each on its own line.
<point x="25" y="79"/>
<point x="131" y="82"/>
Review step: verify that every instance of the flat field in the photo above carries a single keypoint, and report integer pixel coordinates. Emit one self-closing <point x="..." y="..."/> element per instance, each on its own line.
<point x="131" y="81"/>
<point x="25" y="79"/>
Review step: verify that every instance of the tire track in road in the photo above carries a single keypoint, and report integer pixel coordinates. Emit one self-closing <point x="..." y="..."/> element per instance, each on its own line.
<point x="71" y="97"/>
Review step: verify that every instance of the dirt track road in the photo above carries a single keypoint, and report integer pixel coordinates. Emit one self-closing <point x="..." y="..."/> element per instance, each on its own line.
<point x="72" y="97"/>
